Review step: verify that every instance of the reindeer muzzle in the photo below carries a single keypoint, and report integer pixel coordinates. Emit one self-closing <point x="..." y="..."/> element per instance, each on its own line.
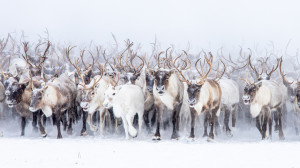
<point x="160" y="90"/>
<point x="246" y="100"/>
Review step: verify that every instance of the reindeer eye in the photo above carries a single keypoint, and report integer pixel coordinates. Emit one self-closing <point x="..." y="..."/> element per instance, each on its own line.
<point x="114" y="94"/>
<point x="93" y="93"/>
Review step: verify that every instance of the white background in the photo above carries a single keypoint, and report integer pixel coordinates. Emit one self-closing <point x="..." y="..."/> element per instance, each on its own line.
<point x="208" y="24"/>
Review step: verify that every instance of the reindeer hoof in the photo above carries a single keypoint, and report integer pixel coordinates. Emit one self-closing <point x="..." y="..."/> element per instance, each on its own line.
<point x="175" y="136"/>
<point x="44" y="135"/>
<point x="191" y="138"/>
<point x="83" y="133"/>
<point x="156" y="138"/>
<point x="209" y="139"/>
<point x="59" y="137"/>
<point x="281" y="137"/>
<point x="229" y="134"/>
<point x="276" y="129"/>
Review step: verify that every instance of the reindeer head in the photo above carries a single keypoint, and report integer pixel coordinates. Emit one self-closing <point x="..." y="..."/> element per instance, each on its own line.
<point x="10" y="82"/>
<point x="109" y="96"/>
<point x="298" y="96"/>
<point x="88" y="94"/>
<point x="250" y="90"/>
<point x="264" y="75"/>
<point x="194" y="88"/>
<point x="15" y="92"/>
<point x="161" y="80"/>
<point x="36" y="99"/>
<point x="292" y="87"/>
<point x="150" y="76"/>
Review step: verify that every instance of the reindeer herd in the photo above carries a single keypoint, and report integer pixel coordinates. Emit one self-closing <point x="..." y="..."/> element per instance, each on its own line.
<point x="44" y="83"/>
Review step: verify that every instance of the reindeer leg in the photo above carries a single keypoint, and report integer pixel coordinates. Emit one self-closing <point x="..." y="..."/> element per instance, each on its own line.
<point x="158" y="120"/>
<point x="125" y="124"/>
<point x="44" y="119"/>
<point x="34" y="121"/>
<point x="193" y="117"/>
<point x="265" y="122"/>
<point x="258" y="126"/>
<point x="146" y="120"/>
<point x="276" y="119"/>
<point x="206" y="119"/>
<point x="23" y="124"/>
<point x="153" y="118"/>
<point x="102" y="121"/>
<point x="42" y="129"/>
<point x="296" y="122"/>
<point x="270" y="125"/>
<point x="234" y="110"/>
<point x="94" y="118"/>
<point x="64" y="120"/>
<point x="54" y="119"/>
<point x="281" y="135"/>
<point x="84" y="117"/>
<point x="217" y="126"/>
<point x="140" y="124"/>
<point x="175" y="121"/>
<point x="58" y="117"/>
<point x="90" y="122"/>
<point x="71" y="118"/>
<point x="212" y="122"/>
<point x="226" y="122"/>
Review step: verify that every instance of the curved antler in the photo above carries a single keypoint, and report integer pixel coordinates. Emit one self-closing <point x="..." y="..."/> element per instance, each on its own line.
<point x="281" y="73"/>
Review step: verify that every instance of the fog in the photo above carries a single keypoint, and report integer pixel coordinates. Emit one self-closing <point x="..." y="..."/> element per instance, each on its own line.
<point x="208" y="24"/>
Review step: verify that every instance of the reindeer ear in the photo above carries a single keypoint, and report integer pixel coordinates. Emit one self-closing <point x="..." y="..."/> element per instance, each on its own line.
<point x="137" y="75"/>
<point x="24" y="85"/>
<point x="17" y="78"/>
<point x="258" y="85"/>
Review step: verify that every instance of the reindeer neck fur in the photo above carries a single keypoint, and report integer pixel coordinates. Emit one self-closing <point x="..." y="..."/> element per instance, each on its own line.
<point x="263" y="97"/>
<point x="209" y="97"/>
<point x="98" y="99"/>
<point x="23" y="107"/>
<point x="173" y="93"/>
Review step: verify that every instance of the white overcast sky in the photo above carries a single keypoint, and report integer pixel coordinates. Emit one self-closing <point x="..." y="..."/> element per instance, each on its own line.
<point x="208" y="24"/>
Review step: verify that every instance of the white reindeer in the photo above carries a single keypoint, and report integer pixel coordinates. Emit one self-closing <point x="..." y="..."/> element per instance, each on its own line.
<point x="127" y="101"/>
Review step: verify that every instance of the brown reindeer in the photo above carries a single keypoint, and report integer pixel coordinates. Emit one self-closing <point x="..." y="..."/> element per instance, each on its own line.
<point x="204" y="96"/>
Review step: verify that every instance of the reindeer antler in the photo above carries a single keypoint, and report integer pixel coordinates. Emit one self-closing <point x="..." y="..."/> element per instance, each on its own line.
<point x="281" y="73"/>
<point x="253" y="68"/>
<point x="209" y="62"/>
<point x="217" y="79"/>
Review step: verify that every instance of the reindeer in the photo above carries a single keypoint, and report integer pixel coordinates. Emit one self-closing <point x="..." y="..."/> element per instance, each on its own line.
<point x="265" y="76"/>
<point x="204" y="96"/>
<point x="168" y="93"/>
<point x="293" y="92"/>
<point x="230" y="97"/>
<point x="263" y="97"/>
<point x="56" y="97"/>
<point x="91" y="93"/>
<point x="127" y="101"/>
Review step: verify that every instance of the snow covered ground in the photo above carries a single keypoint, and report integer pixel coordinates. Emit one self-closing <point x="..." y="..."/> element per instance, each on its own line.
<point x="95" y="152"/>
<point x="244" y="149"/>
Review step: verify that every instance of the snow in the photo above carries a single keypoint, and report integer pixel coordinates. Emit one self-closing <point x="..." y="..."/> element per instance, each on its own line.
<point x="94" y="152"/>
<point x="244" y="149"/>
